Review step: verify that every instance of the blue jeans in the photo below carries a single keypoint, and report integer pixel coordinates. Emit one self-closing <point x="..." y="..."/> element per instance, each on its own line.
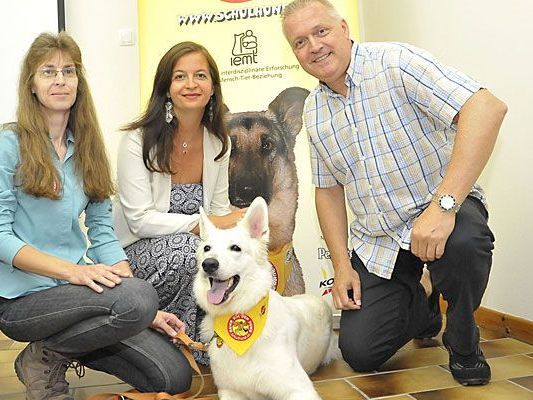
<point x="106" y="331"/>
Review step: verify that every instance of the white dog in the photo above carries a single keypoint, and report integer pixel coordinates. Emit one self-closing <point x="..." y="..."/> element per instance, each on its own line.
<point x="262" y="345"/>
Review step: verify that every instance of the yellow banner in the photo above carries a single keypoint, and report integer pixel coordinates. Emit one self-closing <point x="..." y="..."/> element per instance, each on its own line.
<point x="260" y="76"/>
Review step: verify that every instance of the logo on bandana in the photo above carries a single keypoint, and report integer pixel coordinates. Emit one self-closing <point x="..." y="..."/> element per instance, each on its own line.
<point x="240" y="327"/>
<point x="240" y="331"/>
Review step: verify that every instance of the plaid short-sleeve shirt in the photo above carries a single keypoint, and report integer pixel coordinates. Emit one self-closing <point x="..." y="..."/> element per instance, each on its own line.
<point x="388" y="142"/>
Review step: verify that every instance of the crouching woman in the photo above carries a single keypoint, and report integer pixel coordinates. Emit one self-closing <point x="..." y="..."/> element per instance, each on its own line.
<point x="53" y="168"/>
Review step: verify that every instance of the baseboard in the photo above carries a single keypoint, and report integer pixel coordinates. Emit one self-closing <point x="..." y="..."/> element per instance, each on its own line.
<point x="505" y="324"/>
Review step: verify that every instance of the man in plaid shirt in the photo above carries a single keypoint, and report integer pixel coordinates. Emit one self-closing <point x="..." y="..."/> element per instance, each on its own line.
<point x="402" y="138"/>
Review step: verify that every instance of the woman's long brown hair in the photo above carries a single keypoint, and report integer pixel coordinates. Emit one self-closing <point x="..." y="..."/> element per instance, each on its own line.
<point x="37" y="174"/>
<point x="156" y="132"/>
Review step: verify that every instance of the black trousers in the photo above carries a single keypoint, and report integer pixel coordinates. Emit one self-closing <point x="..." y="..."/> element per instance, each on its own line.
<point x="395" y="311"/>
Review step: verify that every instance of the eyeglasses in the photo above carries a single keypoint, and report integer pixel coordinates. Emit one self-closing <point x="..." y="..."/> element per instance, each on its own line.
<point x="51" y="73"/>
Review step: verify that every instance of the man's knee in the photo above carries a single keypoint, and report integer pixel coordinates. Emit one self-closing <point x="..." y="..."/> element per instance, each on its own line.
<point x="465" y="258"/>
<point x="471" y="242"/>
<point x="361" y="354"/>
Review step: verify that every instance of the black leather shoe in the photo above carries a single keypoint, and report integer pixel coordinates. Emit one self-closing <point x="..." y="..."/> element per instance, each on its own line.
<point x="435" y="317"/>
<point x="468" y="370"/>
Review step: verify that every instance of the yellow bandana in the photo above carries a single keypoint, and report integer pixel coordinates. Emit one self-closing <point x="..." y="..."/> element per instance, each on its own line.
<point x="240" y="331"/>
<point x="281" y="261"/>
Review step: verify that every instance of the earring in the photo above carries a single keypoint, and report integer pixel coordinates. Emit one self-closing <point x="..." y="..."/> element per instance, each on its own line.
<point x="168" y="111"/>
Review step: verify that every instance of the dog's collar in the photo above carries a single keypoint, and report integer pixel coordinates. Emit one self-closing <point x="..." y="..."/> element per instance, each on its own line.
<point x="240" y="330"/>
<point x="281" y="260"/>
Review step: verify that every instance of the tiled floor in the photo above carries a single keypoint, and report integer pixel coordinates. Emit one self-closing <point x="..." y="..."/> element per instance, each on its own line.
<point x="418" y="371"/>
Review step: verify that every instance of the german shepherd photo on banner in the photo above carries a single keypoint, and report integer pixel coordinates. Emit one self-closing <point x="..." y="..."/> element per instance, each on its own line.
<point x="262" y="164"/>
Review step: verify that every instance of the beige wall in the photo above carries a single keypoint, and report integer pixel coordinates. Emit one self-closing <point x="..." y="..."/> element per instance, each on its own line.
<point x="491" y="41"/>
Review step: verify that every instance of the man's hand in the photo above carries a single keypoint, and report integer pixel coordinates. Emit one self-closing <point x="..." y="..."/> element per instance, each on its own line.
<point x="430" y="233"/>
<point x="168" y="324"/>
<point x="346" y="278"/>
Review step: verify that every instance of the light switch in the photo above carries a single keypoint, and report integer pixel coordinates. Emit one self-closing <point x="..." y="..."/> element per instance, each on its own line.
<point x="126" y="37"/>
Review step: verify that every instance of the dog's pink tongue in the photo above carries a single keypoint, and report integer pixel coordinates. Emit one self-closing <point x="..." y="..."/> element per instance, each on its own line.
<point x="216" y="293"/>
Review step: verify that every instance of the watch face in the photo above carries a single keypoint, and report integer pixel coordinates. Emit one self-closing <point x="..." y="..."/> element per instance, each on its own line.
<point x="447" y="202"/>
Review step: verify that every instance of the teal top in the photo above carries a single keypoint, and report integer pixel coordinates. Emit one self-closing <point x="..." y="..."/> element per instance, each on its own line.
<point x="51" y="226"/>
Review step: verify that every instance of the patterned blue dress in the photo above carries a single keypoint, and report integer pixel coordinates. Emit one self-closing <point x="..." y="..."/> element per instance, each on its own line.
<point x="169" y="263"/>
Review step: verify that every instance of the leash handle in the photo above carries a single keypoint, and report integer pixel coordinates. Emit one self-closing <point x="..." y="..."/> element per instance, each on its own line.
<point x="186" y="344"/>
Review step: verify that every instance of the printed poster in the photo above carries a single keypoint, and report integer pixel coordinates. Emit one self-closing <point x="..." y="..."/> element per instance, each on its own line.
<point x="263" y="85"/>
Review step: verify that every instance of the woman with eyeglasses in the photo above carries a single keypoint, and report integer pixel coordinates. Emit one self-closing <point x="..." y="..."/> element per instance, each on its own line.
<point x="53" y="169"/>
<point x="173" y="160"/>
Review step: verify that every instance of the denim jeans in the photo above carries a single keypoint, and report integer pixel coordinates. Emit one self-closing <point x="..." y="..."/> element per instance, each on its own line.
<point x="106" y="331"/>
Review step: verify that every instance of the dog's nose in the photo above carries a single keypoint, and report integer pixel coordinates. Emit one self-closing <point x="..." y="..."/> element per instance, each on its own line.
<point x="210" y="265"/>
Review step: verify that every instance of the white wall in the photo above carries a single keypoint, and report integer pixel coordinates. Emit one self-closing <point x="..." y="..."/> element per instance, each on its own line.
<point x="112" y="69"/>
<point x="491" y="41"/>
<point x="17" y="31"/>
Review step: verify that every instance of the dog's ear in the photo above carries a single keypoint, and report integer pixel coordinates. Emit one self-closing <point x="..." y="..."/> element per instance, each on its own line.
<point x="255" y="221"/>
<point x="205" y="224"/>
<point x="288" y="108"/>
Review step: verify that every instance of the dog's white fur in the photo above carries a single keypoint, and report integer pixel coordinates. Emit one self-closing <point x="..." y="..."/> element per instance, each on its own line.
<point x="297" y="336"/>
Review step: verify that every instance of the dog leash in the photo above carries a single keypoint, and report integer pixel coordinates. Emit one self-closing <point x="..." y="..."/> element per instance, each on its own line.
<point x="186" y="344"/>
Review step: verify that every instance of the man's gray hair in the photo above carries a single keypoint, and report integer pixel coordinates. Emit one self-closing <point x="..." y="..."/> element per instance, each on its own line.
<point x="296" y="5"/>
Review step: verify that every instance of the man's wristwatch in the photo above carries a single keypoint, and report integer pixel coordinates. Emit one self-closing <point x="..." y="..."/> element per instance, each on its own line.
<point x="446" y="202"/>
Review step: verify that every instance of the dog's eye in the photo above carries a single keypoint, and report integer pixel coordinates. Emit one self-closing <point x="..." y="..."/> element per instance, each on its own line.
<point x="207" y="248"/>
<point x="266" y="145"/>
<point x="234" y="247"/>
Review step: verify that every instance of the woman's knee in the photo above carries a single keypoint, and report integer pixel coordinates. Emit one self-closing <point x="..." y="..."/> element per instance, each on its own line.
<point x="138" y="301"/>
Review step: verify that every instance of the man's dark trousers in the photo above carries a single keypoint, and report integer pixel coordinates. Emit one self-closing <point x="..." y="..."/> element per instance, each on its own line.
<point x="395" y="311"/>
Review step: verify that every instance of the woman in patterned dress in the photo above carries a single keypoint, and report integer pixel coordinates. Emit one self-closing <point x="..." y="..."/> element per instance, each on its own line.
<point x="174" y="160"/>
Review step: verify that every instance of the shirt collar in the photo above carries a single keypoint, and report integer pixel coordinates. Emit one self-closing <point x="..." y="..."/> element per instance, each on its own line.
<point x="353" y="73"/>
<point x="70" y="145"/>
<point x="70" y="136"/>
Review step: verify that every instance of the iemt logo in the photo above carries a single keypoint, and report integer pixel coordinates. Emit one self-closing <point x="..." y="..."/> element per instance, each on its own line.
<point x="244" y="48"/>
